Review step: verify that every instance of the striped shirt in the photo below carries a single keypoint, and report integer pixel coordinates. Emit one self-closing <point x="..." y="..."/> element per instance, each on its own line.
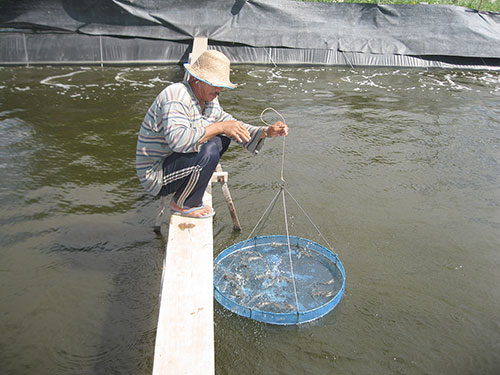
<point x="174" y="124"/>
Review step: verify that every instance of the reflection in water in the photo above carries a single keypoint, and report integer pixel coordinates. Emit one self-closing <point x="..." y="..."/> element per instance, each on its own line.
<point x="397" y="167"/>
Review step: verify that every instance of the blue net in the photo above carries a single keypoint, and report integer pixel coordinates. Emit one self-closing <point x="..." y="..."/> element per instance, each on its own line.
<point x="278" y="279"/>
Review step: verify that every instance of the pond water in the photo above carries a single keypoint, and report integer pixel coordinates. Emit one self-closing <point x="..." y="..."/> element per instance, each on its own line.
<point x="399" y="169"/>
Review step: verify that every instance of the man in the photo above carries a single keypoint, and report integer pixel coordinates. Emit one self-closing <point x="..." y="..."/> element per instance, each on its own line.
<point x="186" y="131"/>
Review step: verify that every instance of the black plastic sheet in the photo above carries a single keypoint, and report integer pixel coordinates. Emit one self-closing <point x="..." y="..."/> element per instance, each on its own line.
<point x="161" y="31"/>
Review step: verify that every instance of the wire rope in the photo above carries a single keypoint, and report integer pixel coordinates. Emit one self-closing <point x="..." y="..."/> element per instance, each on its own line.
<point x="283" y="180"/>
<point x="310" y="220"/>
<point x="267" y="212"/>
<point x="282" y="191"/>
<point x="283" y="150"/>
<point x="290" y="251"/>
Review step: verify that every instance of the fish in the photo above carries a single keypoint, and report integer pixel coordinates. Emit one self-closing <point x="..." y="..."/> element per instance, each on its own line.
<point x="229" y="277"/>
<point x="236" y="289"/>
<point x="254" y="298"/>
<point x="265" y="274"/>
<point x="236" y="279"/>
<point x="319" y="291"/>
<point x="306" y="252"/>
<point x="243" y="271"/>
<point x="329" y="282"/>
<point x="323" y="293"/>
<point x="254" y="258"/>
<point x="269" y="282"/>
<point x="286" y="279"/>
<point x="252" y="253"/>
<point x="275" y="306"/>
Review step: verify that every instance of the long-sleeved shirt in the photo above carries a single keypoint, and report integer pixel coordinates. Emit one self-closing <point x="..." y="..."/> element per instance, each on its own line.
<point x="174" y="124"/>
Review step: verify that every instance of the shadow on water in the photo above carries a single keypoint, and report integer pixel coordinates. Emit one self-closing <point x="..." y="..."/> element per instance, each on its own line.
<point x="129" y="328"/>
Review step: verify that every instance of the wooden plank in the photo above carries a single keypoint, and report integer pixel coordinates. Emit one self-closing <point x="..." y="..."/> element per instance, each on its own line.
<point x="185" y="333"/>
<point x="200" y="45"/>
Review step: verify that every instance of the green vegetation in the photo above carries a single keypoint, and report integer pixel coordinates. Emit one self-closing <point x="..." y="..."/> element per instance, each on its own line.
<point x="482" y="5"/>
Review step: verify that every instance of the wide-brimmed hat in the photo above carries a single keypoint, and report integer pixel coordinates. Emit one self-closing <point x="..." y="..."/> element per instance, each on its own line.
<point x="211" y="67"/>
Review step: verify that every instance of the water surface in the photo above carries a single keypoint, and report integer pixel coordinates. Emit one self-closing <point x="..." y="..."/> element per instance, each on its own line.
<point x="399" y="169"/>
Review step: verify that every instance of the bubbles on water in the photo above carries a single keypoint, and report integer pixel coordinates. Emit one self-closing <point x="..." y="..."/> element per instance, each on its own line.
<point x="56" y="80"/>
<point x="87" y="83"/>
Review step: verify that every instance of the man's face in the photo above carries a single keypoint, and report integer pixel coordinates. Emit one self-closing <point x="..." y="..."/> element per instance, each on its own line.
<point x="207" y="92"/>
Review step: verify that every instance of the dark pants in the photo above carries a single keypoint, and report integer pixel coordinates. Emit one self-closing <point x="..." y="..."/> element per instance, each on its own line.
<point x="187" y="175"/>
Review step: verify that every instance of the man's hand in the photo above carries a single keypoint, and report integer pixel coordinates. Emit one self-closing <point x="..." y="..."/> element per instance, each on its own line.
<point x="236" y="130"/>
<point x="277" y="129"/>
<point x="229" y="128"/>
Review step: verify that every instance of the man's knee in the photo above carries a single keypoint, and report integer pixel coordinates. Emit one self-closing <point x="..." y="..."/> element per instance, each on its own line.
<point x="211" y="151"/>
<point x="225" y="143"/>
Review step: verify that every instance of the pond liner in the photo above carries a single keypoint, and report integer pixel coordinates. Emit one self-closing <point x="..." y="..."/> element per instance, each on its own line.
<point x="256" y="31"/>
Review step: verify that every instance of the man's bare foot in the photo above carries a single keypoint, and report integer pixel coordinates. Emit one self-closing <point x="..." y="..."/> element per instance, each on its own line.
<point x="197" y="212"/>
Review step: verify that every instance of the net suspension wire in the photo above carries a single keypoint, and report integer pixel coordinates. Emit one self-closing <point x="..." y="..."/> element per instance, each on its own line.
<point x="263" y="219"/>
<point x="282" y="191"/>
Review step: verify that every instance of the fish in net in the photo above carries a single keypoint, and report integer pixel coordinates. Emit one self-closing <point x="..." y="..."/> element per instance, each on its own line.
<point x="254" y="278"/>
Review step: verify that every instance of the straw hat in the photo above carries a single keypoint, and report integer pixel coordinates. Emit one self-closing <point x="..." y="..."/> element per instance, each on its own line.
<point x="211" y="67"/>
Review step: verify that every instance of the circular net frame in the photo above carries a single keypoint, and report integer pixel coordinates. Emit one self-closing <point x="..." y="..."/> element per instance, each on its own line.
<point x="254" y="279"/>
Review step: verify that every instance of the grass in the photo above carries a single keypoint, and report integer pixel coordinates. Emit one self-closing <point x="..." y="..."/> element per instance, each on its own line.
<point x="482" y="5"/>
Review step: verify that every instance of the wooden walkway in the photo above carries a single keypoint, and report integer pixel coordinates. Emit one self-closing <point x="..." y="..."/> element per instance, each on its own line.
<point x="185" y="333"/>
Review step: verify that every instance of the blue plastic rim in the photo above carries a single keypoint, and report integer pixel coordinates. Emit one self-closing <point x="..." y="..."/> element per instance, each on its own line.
<point x="240" y="279"/>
